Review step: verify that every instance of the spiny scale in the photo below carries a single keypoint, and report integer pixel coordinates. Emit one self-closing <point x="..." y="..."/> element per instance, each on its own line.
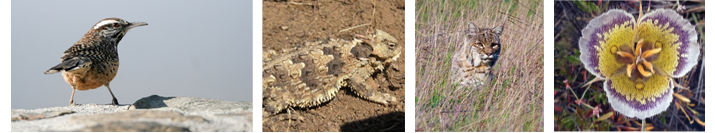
<point x="312" y="74"/>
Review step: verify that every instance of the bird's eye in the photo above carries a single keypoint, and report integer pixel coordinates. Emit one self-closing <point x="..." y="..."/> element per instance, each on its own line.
<point x="115" y="25"/>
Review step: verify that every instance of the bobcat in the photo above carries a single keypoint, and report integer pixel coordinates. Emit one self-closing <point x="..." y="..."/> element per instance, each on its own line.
<point x="472" y="62"/>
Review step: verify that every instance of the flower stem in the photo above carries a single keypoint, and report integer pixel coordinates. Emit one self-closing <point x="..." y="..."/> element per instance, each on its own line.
<point x="579" y="98"/>
<point x="643" y="126"/>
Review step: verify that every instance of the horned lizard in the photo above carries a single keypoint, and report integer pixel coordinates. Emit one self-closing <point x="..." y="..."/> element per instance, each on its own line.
<point x="312" y="74"/>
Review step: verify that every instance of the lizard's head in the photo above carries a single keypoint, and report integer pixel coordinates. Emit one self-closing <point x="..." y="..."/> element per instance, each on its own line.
<point x="383" y="45"/>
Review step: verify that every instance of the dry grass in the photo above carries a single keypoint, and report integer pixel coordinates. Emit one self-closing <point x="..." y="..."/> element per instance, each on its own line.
<point x="513" y="101"/>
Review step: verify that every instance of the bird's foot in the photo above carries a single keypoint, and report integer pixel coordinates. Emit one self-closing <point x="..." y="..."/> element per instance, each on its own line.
<point x="114" y="101"/>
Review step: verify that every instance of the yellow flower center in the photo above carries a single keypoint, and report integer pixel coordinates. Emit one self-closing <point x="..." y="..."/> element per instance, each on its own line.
<point x="639" y="59"/>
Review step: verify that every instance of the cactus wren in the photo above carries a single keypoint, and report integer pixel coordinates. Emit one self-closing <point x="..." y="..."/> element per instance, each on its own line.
<point x="93" y="60"/>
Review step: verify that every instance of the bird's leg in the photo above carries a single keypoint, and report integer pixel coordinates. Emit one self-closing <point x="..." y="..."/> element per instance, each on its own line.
<point x="114" y="99"/>
<point x="72" y="98"/>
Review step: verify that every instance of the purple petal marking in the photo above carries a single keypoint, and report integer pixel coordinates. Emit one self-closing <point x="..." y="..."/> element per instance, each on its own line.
<point x="634" y="108"/>
<point x="589" y="38"/>
<point x="687" y="36"/>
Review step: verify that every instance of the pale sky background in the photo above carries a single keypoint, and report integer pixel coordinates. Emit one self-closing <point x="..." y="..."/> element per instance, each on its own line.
<point x="191" y="48"/>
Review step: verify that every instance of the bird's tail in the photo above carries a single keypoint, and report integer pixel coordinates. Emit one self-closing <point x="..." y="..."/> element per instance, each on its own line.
<point x="68" y="65"/>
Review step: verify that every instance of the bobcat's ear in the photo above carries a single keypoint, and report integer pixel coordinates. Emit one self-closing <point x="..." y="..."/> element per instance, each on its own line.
<point x="497" y="30"/>
<point x="472" y="31"/>
<point x="472" y="27"/>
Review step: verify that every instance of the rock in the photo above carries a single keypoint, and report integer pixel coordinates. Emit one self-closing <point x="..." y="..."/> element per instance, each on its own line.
<point x="154" y="113"/>
<point x="23" y="115"/>
<point x="136" y="115"/>
<point x="59" y="122"/>
<point x="234" y="115"/>
<point x="192" y="104"/>
<point x="134" y="127"/>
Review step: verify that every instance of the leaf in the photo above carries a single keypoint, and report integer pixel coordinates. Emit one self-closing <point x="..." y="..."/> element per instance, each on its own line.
<point x="692" y="111"/>
<point x="576" y="52"/>
<point x="583" y="5"/>
<point x="603" y="97"/>
<point x="681" y="97"/>
<point x="598" y="97"/>
<point x="594" y="7"/>
<point x="568" y="123"/>
<point x="699" y="121"/>
<point x="573" y="59"/>
<point x="631" y="129"/>
<point x="605" y="116"/>
<point x="605" y="6"/>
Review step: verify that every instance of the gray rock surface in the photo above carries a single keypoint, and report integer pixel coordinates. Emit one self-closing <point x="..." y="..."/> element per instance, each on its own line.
<point x="134" y="127"/>
<point x="153" y="113"/>
<point x="29" y="115"/>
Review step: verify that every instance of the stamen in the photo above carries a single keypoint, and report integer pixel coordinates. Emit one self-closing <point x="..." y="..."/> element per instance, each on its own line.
<point x="648" y="53"/>
<point x="638" y="47"/>
<point x="643" y="72"/>
<point x="648" y="65"/>
<point x="629" y="69"/>
<point x="626" y="55"/>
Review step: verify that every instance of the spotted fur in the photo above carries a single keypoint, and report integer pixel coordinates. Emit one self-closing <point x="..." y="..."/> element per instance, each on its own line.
<point x="473" y="61"/>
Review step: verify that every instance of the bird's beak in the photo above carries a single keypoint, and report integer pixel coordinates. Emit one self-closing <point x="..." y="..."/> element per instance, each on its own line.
<point x="136" y="24"/>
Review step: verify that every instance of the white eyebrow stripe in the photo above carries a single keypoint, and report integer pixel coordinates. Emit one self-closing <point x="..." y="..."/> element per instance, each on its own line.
<point x="104" y="22"/>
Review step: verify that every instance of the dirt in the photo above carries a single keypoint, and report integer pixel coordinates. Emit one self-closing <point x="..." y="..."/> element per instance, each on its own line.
<point x="292" y="23"/>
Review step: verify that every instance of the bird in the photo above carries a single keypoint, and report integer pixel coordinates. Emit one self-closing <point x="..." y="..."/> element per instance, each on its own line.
<point x="93" y="61"/>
